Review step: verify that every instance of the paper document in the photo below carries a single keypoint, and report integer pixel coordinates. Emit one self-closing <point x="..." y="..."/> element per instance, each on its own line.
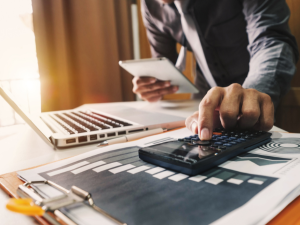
<point x="249" y="189"/>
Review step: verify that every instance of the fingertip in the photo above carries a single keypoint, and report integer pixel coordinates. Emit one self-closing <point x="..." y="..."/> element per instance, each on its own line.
<point x="205" y="134"/>
<point x="152" y="80"/>
<point x="175" y="88"/>
<point x="167" y="84"/>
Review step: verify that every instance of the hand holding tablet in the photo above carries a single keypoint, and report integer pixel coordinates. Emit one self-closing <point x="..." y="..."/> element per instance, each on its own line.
<point x="157" y="77"/>
<point x="151" y="89"/>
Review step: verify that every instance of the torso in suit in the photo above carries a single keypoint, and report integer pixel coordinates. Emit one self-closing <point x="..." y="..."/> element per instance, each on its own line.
<point x="245" y="42"/>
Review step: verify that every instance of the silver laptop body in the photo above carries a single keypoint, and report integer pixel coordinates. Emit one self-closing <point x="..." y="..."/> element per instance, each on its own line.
<point x="69" y="128"/>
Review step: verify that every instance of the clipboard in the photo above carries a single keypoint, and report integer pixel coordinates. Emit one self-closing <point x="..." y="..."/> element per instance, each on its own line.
<point x="9" y="183"/>
<point x="32" y="202"/>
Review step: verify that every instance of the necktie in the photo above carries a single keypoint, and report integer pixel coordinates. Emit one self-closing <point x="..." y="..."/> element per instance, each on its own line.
<point x="190" y="31"/>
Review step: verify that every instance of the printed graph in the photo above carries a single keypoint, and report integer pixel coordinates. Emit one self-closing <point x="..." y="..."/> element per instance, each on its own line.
<point x="120" y="180"/>
<point x="258" y="164"/>
<point x="282" y="146"/>
<point x="261" y="160"/>
<point x="128" y="161"/>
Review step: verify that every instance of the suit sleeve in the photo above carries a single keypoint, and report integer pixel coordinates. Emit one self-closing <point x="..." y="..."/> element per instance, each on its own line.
<point x="161" y="44"/>
<point x="273" y="50"/>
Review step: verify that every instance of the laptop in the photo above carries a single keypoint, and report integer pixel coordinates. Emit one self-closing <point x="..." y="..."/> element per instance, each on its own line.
<point x="69" y="128"/>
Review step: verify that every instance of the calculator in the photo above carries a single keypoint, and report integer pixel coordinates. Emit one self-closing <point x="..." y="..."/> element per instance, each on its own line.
<point x="190" y="155"/>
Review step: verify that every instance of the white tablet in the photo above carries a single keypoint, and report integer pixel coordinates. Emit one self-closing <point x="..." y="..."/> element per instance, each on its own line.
<point x="161" y="69"/>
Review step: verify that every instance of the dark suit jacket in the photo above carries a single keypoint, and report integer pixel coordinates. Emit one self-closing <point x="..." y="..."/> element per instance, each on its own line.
<point x="244" y="41"/>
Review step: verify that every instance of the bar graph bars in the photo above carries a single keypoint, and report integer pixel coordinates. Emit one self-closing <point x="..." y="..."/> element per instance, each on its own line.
<point x="88" y="167"/>
<point x="69" y="168"/>
<point x="139" y="169"/>
<point x="128" y="161"/>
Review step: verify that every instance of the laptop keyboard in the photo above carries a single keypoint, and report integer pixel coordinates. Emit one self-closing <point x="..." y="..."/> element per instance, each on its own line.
<point x="81" y="122"/>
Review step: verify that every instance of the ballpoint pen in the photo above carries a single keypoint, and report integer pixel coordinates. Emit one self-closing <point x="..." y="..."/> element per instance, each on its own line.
<point x="131" y="137"/>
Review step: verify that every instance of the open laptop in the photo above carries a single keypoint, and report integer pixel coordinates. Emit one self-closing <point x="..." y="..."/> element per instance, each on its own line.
<point x="69" y="128"/>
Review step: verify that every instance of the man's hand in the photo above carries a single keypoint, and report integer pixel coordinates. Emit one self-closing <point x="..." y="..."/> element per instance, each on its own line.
<point x="151" y="89"/>
<point x="230" y="107"/>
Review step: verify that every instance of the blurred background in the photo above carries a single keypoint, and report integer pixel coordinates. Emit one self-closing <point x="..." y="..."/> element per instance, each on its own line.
<point x="60" y="54"/>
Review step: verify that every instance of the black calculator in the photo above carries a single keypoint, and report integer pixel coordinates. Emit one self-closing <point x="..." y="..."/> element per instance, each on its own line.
<point x="190" y="155"/>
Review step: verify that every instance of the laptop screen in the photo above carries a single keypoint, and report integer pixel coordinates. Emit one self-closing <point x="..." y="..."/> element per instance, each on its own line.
<point x="34" y="122"/>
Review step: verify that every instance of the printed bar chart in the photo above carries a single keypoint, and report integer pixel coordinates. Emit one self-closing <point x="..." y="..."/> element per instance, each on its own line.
<point x="130" y="162"/>
<point x="67" y="168"/>
<point x="118" y="177"/>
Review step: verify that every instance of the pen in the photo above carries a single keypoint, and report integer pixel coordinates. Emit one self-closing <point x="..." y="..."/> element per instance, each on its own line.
<point x="131" y="137"/>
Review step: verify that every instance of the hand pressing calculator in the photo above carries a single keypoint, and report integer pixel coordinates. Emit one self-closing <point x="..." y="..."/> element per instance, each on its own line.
<point x="191" y="156"/>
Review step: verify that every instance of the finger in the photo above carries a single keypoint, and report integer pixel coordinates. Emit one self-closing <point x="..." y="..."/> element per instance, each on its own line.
<point x="206" y="112"/>
<point x="266" y="120"/>
<point x="159" y="92"/>
<point x="154" y="99"/>
<point x="230" y="106"/>
<point x="250" y="109"/>
<point x="151" y="87"/>
<point x="191" y="122"/>
<point x="140" y="81"/>
<point x="217" y="121"/>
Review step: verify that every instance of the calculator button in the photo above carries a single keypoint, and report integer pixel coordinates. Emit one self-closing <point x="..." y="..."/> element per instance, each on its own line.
<point x="233" y="142"/>
<point x="222" y="147"/>
<point x="232" y="138"/>
<point x="224" y="141"/>
<point x="242" y="139"/>
<point x="227" y="144"/>
<point x="218" y="143"/>
<point x="224" y="137"/>
<point x="187" y="139"/>
<point x="180" y="139"/>
<point x="195" y="139"/>
<point x="217" y="133"/>
<point x="202" y="142"/>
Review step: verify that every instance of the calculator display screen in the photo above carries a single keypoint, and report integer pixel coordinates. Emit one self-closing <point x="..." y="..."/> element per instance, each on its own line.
<point x="183" y="151"/>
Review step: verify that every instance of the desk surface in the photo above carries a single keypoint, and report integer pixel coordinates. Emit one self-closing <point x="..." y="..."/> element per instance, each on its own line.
<point x="21" y="147"/>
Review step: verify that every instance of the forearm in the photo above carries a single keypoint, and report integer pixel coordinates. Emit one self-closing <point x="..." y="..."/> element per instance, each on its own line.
<point x="271" y="70"/>
<point x="272" y="47"/>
